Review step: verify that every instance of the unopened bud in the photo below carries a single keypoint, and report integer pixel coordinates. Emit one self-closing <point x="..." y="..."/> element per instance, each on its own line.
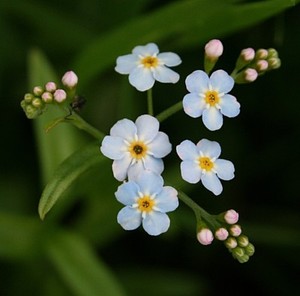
<point x="243" y="259"/>
<point x="243" y="241"/>
<point x="235" y="230"/>
<point x="238" y="252"/>
<point x="47" y="97"/>
<point x="248" y="54"/>
<point x="60" y="95"/>
<point x="231" y="243"/>
<point x="221" y="234"/>
<point x="249" y="249"/>
<point x="28" y="97"/>
<point x="272" y="53"/>
<point x="70" y="79"/>
<point x="37" y="103"/>
<point x="262" y="54"/>
<point x="250" y="75"/>
<point x="38" y="90"/>
<point x="214" y="49"/>
<point x="231" y="217"/>
<point x="205" y="236"/>
<point x="274" y="63"/>
<point x="261" y="65"/>
<point x="50" y="87"/>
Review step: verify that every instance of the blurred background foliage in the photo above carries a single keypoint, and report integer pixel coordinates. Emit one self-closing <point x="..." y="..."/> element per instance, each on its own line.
<point x="79" y="249"/>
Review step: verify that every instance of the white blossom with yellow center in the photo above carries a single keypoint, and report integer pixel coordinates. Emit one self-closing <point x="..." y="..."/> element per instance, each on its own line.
<point x="145" y="65"/>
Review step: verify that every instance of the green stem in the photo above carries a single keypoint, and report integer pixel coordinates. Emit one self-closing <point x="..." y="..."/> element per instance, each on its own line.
<point x="170" y="111"/>
<point x="150" y="101"/>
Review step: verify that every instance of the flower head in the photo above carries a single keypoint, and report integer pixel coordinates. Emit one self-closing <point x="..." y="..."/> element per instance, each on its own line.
<point x="201" y="162"/>
<point x="231" y="217"/>
<point x="209" y="98"/>
<point x="145" y="65"/>
<point x="69" y="79"/>
<point x="146" y="202"/>
<point x="136" y="147"/>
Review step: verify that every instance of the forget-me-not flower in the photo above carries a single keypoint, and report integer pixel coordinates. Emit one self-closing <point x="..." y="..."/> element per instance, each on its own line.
<point x="145" y="65"/>
<point x="136" y="147"/>
<point x="209" y="98"/>
<point x="201" y="162"/>
<point x="146" y="202"/>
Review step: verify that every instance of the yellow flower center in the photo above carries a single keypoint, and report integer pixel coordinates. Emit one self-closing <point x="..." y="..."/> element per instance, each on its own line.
<point x="149" y="61"/>
<point x="145" y="204"/>
<point x="212" y="97"/>
<point x="138" y="149"/>
<point x="205" y="163"/>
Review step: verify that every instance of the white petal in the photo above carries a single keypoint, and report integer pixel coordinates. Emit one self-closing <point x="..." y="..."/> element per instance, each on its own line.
<point x="211" y="149"/>
<point x="150" y="183"/>
<point x="113" y="147"/>
<point x="170" y="59"/>
<point x="225" y="169"/>
<point x="127" y="193"/>
<point x="212" y="118"/>
<point x="125" y="129"/>
<point x="193" y="105"/>
<point x="149" y="49"/>
<point x="190" y="171"/>
<point x="153" y="164"/>
<point x="160" y="146"/>
<point x="197" y="82"/>
<point x="212" y="183"/>
<point x="165" y="75"/>
<point x="141" y="78"/>
<point x="230" y="107"/>
<point x="221" y="81"/>
<point x="187" y="150"/>
<point x="120" y="167"/>
<point x="156" y="223"/>
<point x="147" y="127"/>
<point x="135" y="170"/>
<point x="126" y="63"/>
<point x="167" y="199"/>
<point x="129" y="218"/>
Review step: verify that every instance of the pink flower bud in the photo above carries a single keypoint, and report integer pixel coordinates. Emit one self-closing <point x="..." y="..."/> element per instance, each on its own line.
<point x="231" y="217"/>
<point x="248" y="54"/>
<point x="235" y="230"/>
<point x="262" y="65"/>
<point x="60" y="95"/>
<point x="262" y="54"/>
<point x="214" y="49"/>
<point x="250" y="75"/>
<point x="37" y="90"/>
<point x="69" y="79"/>
<point x="221" y="234"/>
<point x="205" y="236"/>
<point x="50" y="87"/>
<point x="47" y="97"/>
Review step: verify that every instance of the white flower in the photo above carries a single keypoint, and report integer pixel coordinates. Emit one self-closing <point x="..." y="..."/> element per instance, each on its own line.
<point x="136" y="147"/>
<point x="146" y="202"/>
<point x="201" y="162"/>
<point x="209" y="97"/>
<point x="146" y="64"/>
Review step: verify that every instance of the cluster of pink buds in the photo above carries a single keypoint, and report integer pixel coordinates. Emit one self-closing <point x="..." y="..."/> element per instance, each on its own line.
<point x="35" y="103"/>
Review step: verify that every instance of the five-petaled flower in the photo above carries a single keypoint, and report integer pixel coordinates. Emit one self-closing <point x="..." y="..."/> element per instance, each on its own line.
<point x="201" y="162"/>
<point x="146" y="64"/>
<point x="136" y="147"/>
<point x="209" y="97"/>
<point x="146" y="202"/>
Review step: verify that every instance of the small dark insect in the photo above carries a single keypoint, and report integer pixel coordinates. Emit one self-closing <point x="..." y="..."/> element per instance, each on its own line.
<point x="78" y="103"/>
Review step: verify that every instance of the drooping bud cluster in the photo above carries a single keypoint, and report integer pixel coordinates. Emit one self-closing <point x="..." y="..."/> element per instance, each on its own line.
<point x="35" y="103"/>
<point x="251" y="64"/>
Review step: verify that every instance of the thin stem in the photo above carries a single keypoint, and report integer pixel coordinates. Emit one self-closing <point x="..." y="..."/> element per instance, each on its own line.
<point x="170" y="111"/>
<point x="150" y="101"/>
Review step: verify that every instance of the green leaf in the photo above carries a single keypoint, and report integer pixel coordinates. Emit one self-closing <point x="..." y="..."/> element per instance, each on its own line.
<point x="67" y="173"/>
<point x="79" y="266"/>
<point x="181" y="24"/>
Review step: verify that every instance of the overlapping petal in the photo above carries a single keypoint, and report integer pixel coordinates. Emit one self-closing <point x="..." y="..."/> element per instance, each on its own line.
<point x="212" y="183"/>
<point x="150" y="183"/>
<point x="127" y="193"/>
<point x="212" y="118"/>
<point x="230" y="107"/>
<point x="146" y="50"/>
<point x="147" y="127"/>
<point x="141" y="78"/>
<point x="225" y="169"/>
<point x="167" y="199"/>
<point x="193" y="105"/>
<point x="165" y="75"/>
<point x="113" y="147"/>
<point x="129" y="218"/>
<point x="126" y="63"/>
<point x="221" y="81"/>
<point x="187" y="150"/>
<point x="170" y="59"/>
<point x="160" y="146"/>
<point x="190" y="171"/>
<point x="124" y="128"/>
<point x="209" y="148"/>
<point x="120" y="167"/>
<point x="197" y="82"/>
<point x="156" y="223"/>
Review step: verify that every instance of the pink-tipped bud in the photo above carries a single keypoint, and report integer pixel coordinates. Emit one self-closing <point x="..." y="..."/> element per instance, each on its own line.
<point x="70" y="79"/>
<point x="221" y="234"/>
<point x="60" y="95"/>
<point x="250" y="75"/>
<point x="214" y="49"/>
<point x="47" y="97"/>
<point x="262" y="54"/>
<point x="248" y="54"/>
<point x="231" y="217"/>
<point x="231" y="243"/>
<point x="235" y="230"/>
<point x="205" y="236"/>
<point x="38" y="90"/>
<point x="262" y="65"/>
<point x="50" y="87"/>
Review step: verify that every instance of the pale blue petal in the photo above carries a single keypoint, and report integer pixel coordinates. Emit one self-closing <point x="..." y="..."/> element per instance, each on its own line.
<point x="230" y="107"/>
<point x="224" y="169"/>
<point x="160" y="146"/>
<point x="127" y="193"/>
<point x="147" y="127"/>
<point x="190" y="171"/>
<point x="124" y="128"/>
<point x="187" y="150"/>
<point x="113" y="147"/>
<point x="221" y="81"/>
<point x="211" y="149"/>
<point x="170" y="59"/>
<point x="212" y="118"/>
<point x="149" y="183"/>
<point x="165" y="75"/>
<point x="193" y="105"/>
<point x="212" y="183"/>
<point x="141" y="78"/>
<point x="149" y="49"/>
<point x="126" y="63"/>
<point x="153" y="164"/>
<point x="167" y="199"/>
<point x="156" y="223"/>
<point x="120" y="167"/>
<point x="197" y="82"/>
<point x="129" y="218"/>
<point x="135" y="170"/>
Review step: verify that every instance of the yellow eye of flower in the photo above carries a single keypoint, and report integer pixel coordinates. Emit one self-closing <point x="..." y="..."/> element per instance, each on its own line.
<point x="149" y="61"/>
<point x="212" y="97"/>
<point x="138" y="149"/>
<point x="205" y="163"/>
<point x="145" y="204"/>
